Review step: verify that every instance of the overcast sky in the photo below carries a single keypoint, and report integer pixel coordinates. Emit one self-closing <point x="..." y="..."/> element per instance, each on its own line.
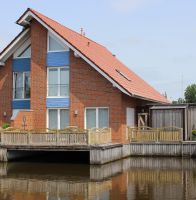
<point x="155" y="38"/>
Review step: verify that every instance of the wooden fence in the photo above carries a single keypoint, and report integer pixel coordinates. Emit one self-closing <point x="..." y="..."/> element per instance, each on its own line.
<point x="99" y="136"/>
<point x="57" y="138"/>
<point x="147" y="134"/>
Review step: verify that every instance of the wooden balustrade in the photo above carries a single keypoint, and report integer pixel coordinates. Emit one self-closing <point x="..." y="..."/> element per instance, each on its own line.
<point x="142" y="134"/>
<point x="99" y="136"/>
<point x="57" y="138"/>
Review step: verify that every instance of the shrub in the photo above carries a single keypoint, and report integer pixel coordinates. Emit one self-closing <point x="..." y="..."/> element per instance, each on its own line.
<point x="4" y="126"/>
<point x="194" y="132"/>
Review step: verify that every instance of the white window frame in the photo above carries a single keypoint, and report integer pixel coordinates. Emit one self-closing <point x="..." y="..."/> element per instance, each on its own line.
<point x="58" y="116"/>
<point x="97" y="115"/>
<point x="22" y="48"/>
<point x="23" y="74"/>
<point x="58" y="41"/>
<point x="59" y="78"/>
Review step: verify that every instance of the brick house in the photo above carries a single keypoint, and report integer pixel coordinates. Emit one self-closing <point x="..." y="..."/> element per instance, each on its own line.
<point x="56" y="77"/>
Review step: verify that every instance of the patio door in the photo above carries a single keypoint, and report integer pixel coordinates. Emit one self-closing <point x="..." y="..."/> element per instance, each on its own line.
<point x="130" y="117"/>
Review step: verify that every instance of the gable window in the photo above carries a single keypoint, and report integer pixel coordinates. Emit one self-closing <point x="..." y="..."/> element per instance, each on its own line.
<point x="21" y="85"/>
<point x="58" y="118"/>
<point x="26" y="53"/>
<point x="97" y="118"/>
<point x="58" y="82"/>
<point x="55" y="45"/>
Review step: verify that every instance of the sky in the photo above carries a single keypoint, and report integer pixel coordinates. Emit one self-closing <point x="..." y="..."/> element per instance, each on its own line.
<point x="154" y="38"/>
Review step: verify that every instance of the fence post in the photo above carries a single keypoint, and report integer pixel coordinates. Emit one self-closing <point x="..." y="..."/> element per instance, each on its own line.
<point x="2" y="138"/>
<point x="88" y="137"/>
<point x="57" y="138"/>
<point x="158" y="134"/>
<point x="110" y="129"/>
<point x="29" y="138"/>
<point x="181" y="134"/>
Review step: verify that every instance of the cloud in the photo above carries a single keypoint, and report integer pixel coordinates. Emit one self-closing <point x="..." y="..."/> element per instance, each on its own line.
<point x="127" y="5"/>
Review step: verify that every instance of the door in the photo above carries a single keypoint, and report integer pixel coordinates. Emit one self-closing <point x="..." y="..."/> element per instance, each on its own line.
<point x="130" y="117"/>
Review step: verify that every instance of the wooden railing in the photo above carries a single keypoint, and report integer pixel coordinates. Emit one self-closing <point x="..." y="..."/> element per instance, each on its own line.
<point x="57" y="138"/>
<point x="99" y="136"/>
<point x="142" y="134"/>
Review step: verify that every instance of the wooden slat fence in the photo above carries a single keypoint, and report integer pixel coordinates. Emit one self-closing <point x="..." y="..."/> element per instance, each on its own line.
<point x="147" y="134"/>
<point x="57" y="138"/>
<point x="99" y="136"/>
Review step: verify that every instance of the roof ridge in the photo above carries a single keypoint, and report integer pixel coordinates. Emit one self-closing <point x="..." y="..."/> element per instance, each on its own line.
<point x="34" y="11"/>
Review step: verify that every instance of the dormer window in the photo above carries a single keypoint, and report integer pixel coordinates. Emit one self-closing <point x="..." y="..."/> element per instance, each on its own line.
<point x="55" y="45"/>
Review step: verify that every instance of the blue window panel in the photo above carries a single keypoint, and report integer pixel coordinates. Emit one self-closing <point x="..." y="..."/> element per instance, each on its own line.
<point x="55" y="59"/>
<point x="57" y="102"/>
<point x="21" y="65"/>
<point x="21" y="104"/>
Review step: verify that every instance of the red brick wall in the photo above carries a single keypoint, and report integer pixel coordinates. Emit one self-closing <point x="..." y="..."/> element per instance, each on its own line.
<point x="88" y="88"/>
<point x="38" y="73"/>
<point x="6" y="91"/>
<point x="18" y="121"/>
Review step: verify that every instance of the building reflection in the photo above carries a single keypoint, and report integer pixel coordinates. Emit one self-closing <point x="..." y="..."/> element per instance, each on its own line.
<point x="129" y="179"/>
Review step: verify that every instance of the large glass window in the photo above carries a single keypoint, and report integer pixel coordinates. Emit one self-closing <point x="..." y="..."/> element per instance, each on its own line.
<point x="55" y="45"/>
<point x="58" y="82"/>
<point x="58" y="118"/>
<point x="21" y="83"/>
<point x="97" y="118"/>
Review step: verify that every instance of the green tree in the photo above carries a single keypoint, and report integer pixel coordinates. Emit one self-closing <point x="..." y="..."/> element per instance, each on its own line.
<point x="190" y="94"/>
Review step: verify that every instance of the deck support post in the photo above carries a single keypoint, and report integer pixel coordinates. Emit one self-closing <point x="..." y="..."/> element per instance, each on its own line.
<point x="3" y="155"/>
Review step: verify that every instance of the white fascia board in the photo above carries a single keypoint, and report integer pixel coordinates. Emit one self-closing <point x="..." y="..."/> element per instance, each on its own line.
<point x="75" y="50"/>
<point x="13" y="46"/>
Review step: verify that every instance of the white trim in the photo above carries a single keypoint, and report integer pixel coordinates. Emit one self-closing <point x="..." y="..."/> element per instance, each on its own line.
<point x="58" y="116"/>
<point x="76" y="51"/>
<point x="58" y="71"/>
<point x="2" y="63"/>
<point x="13" y="47"/>
<point x="97" y="115"/>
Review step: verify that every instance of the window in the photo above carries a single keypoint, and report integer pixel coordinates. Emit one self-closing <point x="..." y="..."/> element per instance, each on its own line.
<point x="55" y="45"/>
<point x="58" y="118"/>
<point x="97" y="118"/>
<point x="26" y="53"/>
<point x="58" y="82"/>
<point x="21" y="84"/>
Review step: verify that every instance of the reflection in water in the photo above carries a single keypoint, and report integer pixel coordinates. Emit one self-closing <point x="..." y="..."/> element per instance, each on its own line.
<point x="129" y="179"/>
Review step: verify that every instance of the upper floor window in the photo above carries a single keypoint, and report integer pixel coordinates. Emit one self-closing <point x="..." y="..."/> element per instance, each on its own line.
<point x="24" y="51"/>
<point x="54" y="45"/>
<point x="21" y="84"/>
<point x="58" y="82"/>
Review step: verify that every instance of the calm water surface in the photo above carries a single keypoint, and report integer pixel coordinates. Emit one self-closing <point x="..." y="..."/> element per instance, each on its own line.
<point x="129" y="179"/>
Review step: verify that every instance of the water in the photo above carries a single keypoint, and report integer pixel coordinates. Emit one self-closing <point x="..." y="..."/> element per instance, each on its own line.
<point x="129" y="179"/>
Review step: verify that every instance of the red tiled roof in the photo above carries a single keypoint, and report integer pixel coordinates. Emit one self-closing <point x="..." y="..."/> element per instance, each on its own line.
<point x="105" y="61"/>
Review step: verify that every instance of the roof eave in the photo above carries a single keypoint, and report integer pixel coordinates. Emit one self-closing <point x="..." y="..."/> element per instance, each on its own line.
<point x="151" y="100"/>
<point x="8" y="50"/>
